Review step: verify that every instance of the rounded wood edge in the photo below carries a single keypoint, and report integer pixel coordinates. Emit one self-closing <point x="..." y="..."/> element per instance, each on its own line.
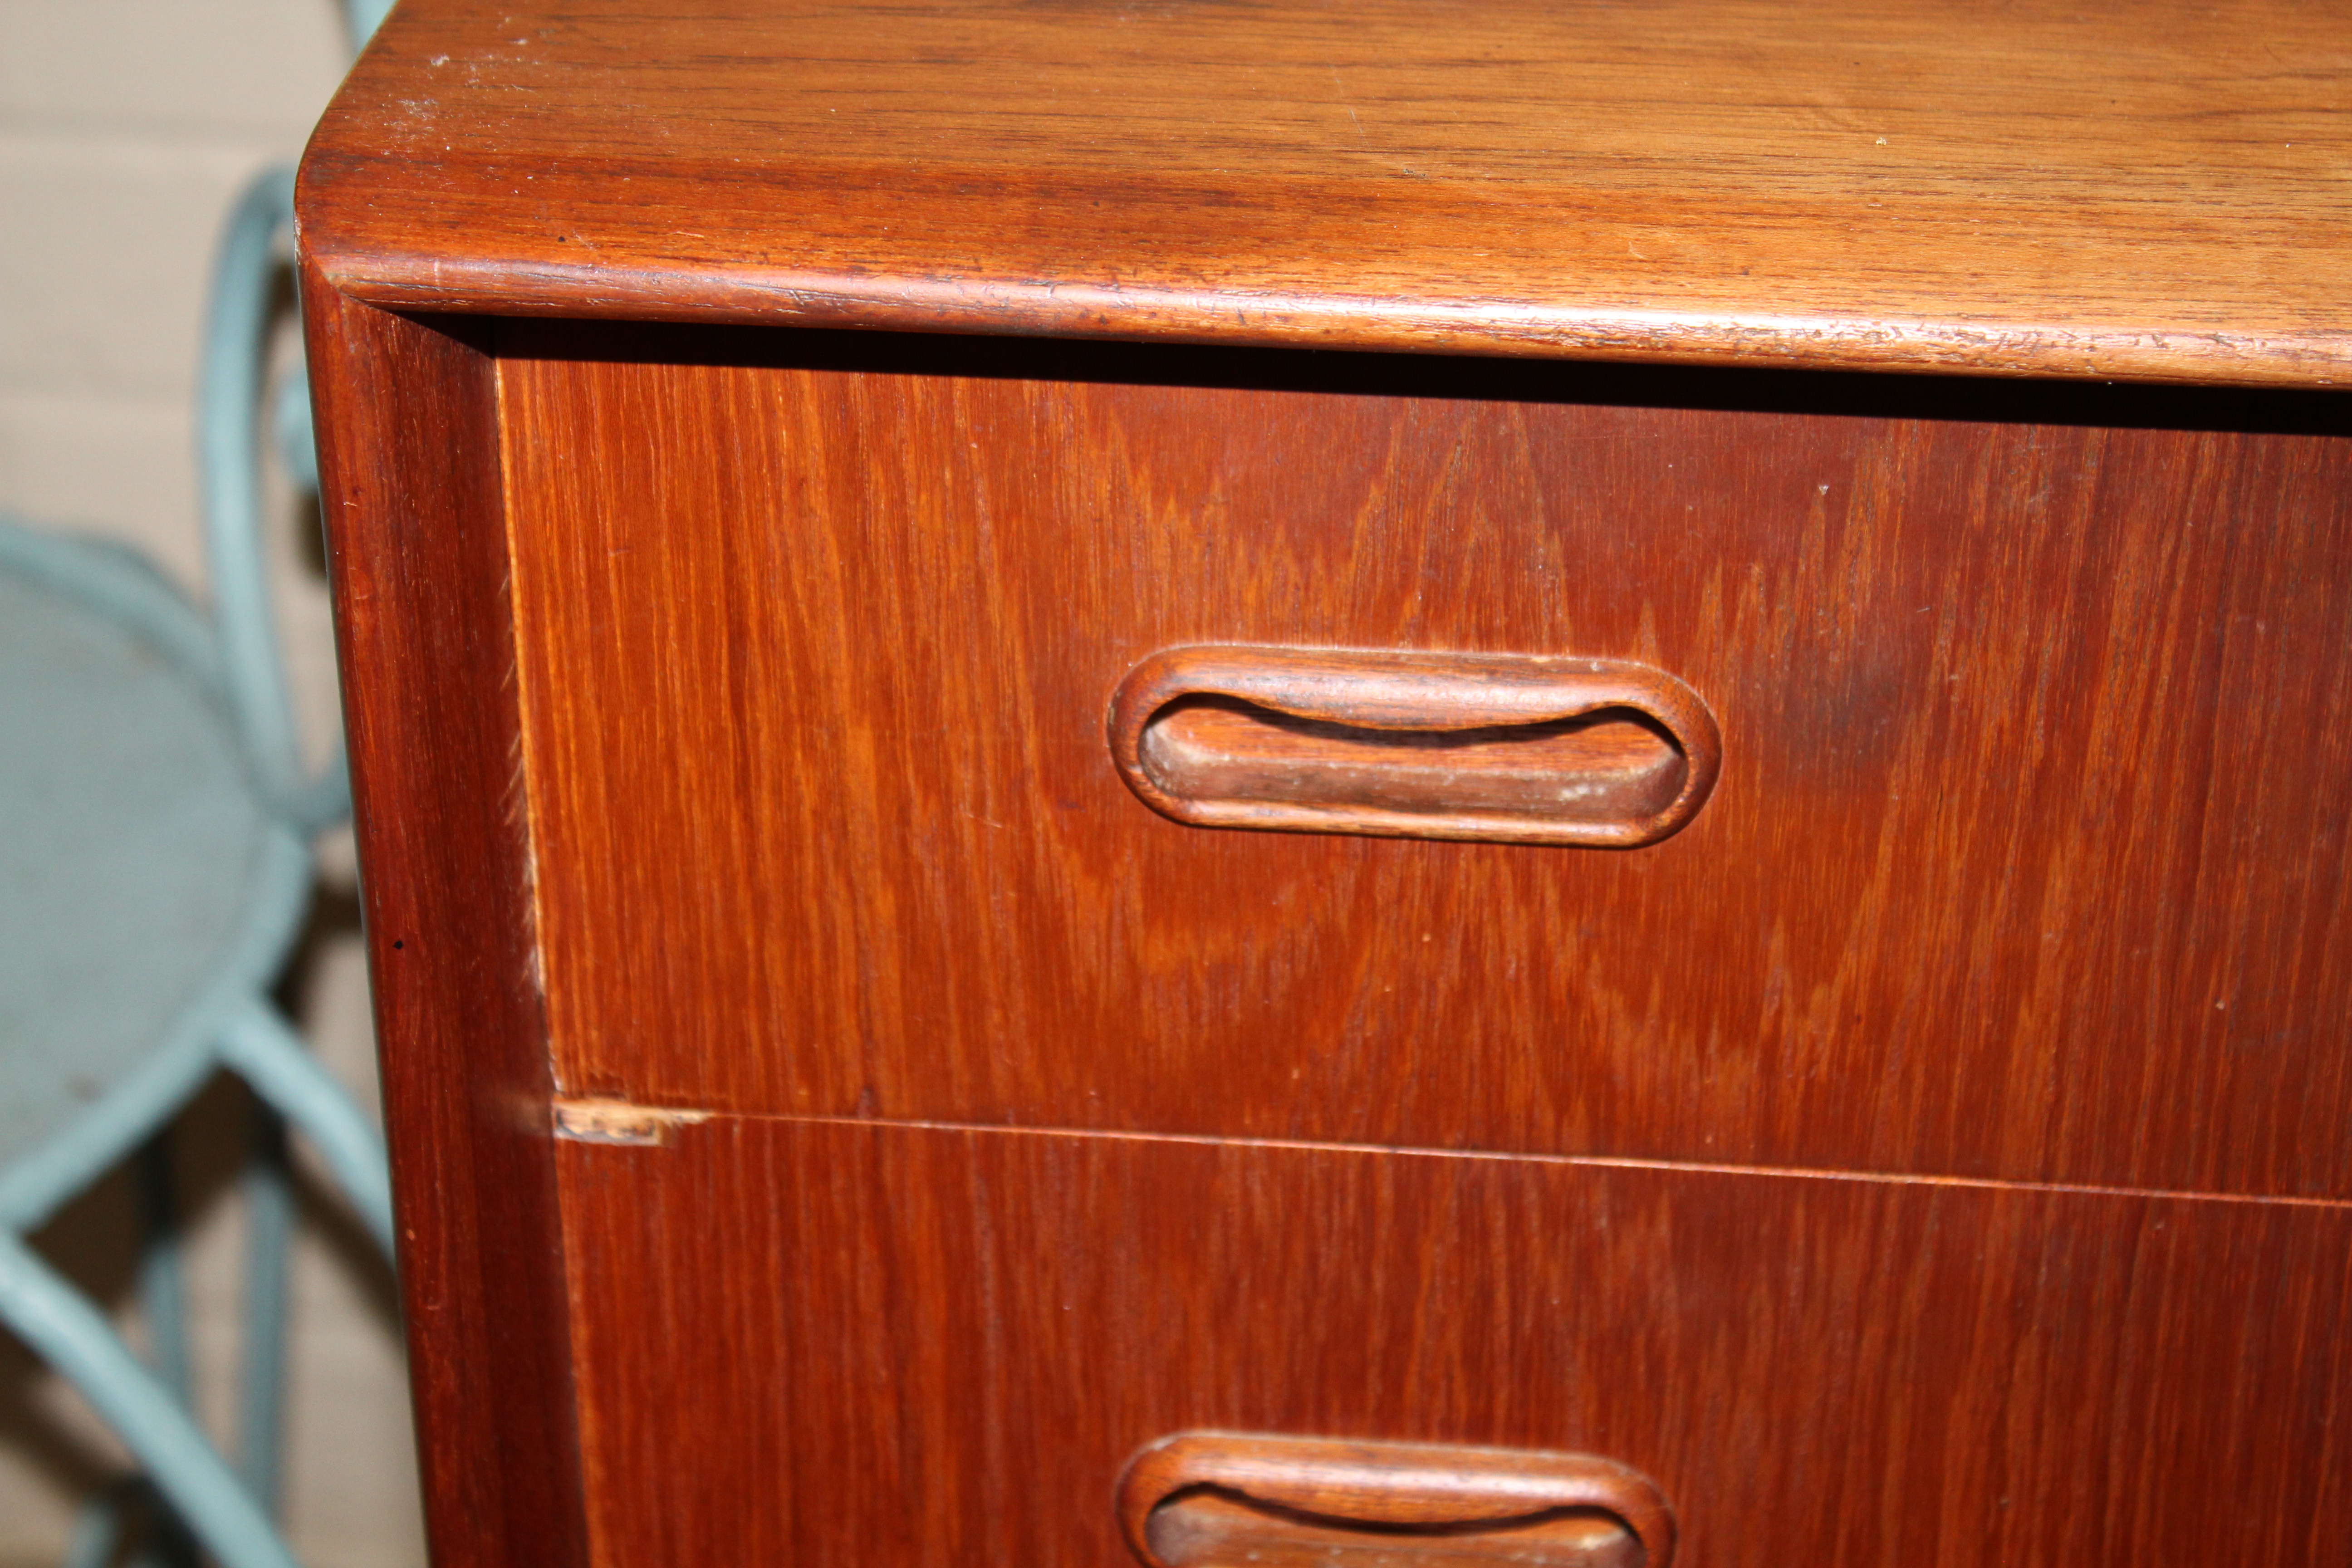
<point x="532" y="277"/>
<point x="1274" y="677"/>
<point x="1390" y="1483"/>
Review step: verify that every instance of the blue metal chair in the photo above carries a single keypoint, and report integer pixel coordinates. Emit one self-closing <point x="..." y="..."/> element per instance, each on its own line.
<point x="155" y="864"/>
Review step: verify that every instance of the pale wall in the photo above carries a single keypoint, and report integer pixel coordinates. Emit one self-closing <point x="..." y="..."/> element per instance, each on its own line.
<point x="125" y="128"/>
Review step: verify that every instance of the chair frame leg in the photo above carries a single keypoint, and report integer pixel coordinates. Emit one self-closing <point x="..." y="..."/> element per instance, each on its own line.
<point x="99" y="1532"/>
<point x="268" y="1239"/>
<point x="163" y="1307"/>
<point x="163" y="1286"/>
<point x="260" y="1047"/>
<point x="67" y="1332"/>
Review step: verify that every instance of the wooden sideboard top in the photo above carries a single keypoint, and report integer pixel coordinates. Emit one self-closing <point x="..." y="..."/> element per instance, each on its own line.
<point x="2124" y="189"/>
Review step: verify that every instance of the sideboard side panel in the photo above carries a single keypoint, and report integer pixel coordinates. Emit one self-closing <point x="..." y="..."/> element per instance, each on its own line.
<point x="416" y="548"/>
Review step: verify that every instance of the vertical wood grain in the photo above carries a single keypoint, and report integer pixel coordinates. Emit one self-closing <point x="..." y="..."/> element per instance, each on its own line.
<point x="417" y="553"/>
<point x="2028" y="859"/>
<point x="842" y="1344"/>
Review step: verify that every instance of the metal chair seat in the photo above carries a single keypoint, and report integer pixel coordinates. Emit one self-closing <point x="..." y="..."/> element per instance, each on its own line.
<point x="155" y="821"/>
<point x="148" y="891"/>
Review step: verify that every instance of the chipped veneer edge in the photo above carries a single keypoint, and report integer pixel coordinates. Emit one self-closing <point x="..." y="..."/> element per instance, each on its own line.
<point x="618" y="1122"/>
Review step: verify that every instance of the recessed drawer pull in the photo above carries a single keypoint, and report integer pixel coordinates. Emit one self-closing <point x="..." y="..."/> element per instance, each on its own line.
<point x="1519" y="747"/>
<point x="1217" y="1500"/>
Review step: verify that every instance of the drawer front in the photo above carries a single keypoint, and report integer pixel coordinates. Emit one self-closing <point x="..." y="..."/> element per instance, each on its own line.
<point x="2026" y="859"/>
<point x="840" y="1344"/>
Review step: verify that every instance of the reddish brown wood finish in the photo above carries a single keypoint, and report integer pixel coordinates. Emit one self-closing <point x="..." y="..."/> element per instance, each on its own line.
<point x="2027" y="861"/>
<point x="835" y="1344"/>
<point x="2120" y="188"/>
<point x="1209" y="1529"/>
<point x="750" y="687"/>
<point x="1416" y="746"/>
<point x="417" y="550"/>
<point x="1439" y="1491"/>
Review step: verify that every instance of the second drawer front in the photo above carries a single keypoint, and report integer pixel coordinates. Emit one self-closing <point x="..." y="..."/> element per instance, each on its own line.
<point x="837" y="1344"/>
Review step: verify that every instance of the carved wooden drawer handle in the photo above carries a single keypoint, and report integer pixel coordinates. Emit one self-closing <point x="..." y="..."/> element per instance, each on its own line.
<point x="1220" y="1499"/>
<point x="1517" y="748"/>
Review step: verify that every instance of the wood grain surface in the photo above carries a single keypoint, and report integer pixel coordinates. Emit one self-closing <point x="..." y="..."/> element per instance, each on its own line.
<point x="409" y="456"/>
<point x="2128" y="188"/>
<point x="1349" y="1495"/>
<point x="1209" y="1528"/>
<point x="1507" y="749"/>
<point x="2027" y="861"/>
<point x="1935" y="1155"/>
<point x="838" y="1344"/>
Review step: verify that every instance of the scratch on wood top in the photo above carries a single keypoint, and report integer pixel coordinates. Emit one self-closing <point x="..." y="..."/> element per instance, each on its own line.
<point x="618" y="1122"/>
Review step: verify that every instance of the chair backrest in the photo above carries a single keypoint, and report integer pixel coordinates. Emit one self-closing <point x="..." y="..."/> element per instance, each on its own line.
<point x="230" y="439"/>
<point x="364" y="16"/>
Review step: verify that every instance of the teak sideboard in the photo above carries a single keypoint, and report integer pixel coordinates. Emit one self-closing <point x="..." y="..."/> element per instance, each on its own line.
<point x="1401" y="784"/>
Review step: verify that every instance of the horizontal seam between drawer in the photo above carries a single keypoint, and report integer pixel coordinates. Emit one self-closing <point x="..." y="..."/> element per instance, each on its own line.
<point x="1616" y="1162"/>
